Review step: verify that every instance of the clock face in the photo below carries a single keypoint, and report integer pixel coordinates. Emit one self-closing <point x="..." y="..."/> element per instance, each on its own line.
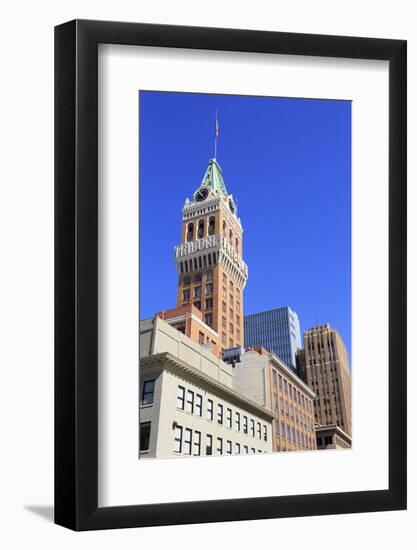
<point x="201" y="194"/>
<point x="231" y="206"/>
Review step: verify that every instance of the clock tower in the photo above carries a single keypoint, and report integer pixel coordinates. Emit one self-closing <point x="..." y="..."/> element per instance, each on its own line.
<point x="211" y="271"/>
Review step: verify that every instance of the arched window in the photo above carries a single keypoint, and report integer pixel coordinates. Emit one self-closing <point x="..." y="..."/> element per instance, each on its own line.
<point x="231" y="236"/>
<point x="190" y="232"/>
<point x="224" y="229"/>
<point x="200" y="233"/>
<point x="237" y="244"/>
<point x="212" y="225"/>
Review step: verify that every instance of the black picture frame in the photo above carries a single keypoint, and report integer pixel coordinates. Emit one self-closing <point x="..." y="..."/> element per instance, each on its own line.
<point x="76" y="272"/>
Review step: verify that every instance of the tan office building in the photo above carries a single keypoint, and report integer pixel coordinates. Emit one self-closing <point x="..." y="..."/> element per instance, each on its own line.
<point x="265" y="378"/>
<point x="324" y="365"/>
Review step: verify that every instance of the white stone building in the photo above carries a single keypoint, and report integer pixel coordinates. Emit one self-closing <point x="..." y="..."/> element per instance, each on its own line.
<point x="188" y="404"/>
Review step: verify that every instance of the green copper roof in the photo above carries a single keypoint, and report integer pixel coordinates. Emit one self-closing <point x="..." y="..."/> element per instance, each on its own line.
<point x="213" y="178"/>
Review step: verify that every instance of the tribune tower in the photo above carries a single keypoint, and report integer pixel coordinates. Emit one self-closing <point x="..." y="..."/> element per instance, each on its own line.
<point x="211" y="271"/>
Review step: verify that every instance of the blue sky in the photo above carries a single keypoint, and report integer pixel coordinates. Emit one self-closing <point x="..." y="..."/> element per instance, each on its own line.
<point x="288" y="164"/>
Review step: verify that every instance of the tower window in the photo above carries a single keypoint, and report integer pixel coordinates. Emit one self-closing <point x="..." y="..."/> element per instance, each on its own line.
<point x="190" y="232"/>
<point x="212" y="225"/>
<point x="237" y="244"/>
<point x="200" y="232"/>
<point x="230" y="236"/>
<point x="224" y="229"/>
<point x="208" y="319"/>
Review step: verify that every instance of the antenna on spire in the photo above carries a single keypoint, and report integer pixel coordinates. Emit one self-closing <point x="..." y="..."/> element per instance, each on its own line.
<point x="216" y="134"/>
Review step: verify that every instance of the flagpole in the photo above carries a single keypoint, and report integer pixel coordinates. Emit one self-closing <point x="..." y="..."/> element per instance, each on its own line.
<point x="216" y="133"/>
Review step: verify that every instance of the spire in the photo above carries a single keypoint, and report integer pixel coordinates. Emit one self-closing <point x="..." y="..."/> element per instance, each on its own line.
<point x="213" y="178"/>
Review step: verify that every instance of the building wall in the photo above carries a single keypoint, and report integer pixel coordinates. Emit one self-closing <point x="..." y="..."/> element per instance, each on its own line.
<point x="157" y="336"/>
<point x="327" y="373"/>
<point x="272" y="384"/>
<point x="165" y="415"/>
<point x="277" y="330"/>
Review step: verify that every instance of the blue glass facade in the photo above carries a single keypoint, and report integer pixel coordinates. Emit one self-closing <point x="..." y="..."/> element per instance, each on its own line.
<point x="277" y="330"/>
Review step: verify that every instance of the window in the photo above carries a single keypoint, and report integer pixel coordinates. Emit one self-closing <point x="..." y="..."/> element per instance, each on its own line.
<point x="252" y="427"/>
<point x="274" y="377"/>
<point x="285" y="386"/>
<point x="200" y="338"/>
<point x="237" y="244"/>
<point x="288" y="433"/>
<point x="246" y="449"/>
<point x="219" y="414"/>
<point x="290" y="390"/>
<point x="211" y="225"/>
<point x="252" y="450"/>
<point x="229" y="418"/>
<point x="178" y="439"/>
<point x="209" y="289"/>
<point x="190" y="232"/>
<point x="209" y="303"/>
<point x="209" y="445"/>
<point x="231" y="299"/>
<point x="190" y="401"/>
<point x="224" y="278"/>
<point x="287" y="410"/>
<point x="197" y="291"/>
<point x="283" y="430"/>
<point x="276" y="424"/>
<point x="231" y="343"/>
<point x="186" y="280"/>
<point x="145" y="434"/>
<point x="180" y="397"/>
<point x="238" y="320"/>
<point x="237" y="448"/>
<point x="208" y="319"/>
<point x="147" y="392"/>
<point x="238" y="422"/>
<point x="228" y="447"/>
<point x="187" y="441"/>
<point x="266" y="433"/>
<point x="328" y="440"/>
<point x="197" y="304"/>
<point x="198" y="403"/>
<point x="245" y="424"/>
<point x="258" y="429"/>
<point x="281" y="405"/>
<point x="197" y="443"/>
<point x="198" y="277"/>
<point x="231" y="313"/>
<point x="237" y="302"/>
<point x="224" y="307"/>
<point x="186" y="294"/>
<point x="275" y="402"/>
<point x="200" y="233"/>
<point x="231" y="328"/>
<point x="293" y="435"/>
<point x="224" y="292"/>
<point x="209" y="409"/>
<point x="224" y="322"/>
<point x="238" y="335"/>
<point x="223" y="338"/>
<point x="219" y="445"/>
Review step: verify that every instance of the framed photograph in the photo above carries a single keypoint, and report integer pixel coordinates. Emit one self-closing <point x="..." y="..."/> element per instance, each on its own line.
<point x="230" y="275"/>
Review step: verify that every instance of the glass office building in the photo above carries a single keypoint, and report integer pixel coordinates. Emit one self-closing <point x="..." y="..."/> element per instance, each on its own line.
<point x="277" y="330"/>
